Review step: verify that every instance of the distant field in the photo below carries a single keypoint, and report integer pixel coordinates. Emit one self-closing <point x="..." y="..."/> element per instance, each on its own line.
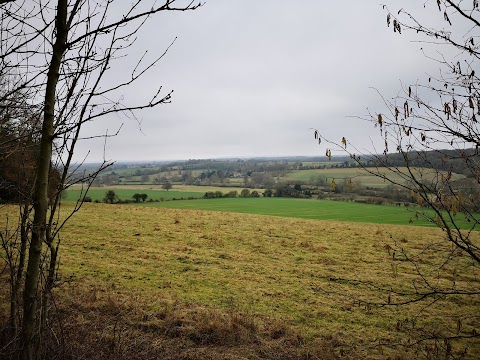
<point x="316" y="163"/>
<point x="204" y="189"/>
<point x="153" y="191"/>
<point x="358" y="174"/>
<point x="167" y="174"/>
<point x="286" y="207"/>
<point x="156" y="170"/>
<point x="127" y="171"/>
<point x="126" y="194"/>
<point x="310" y="209"/>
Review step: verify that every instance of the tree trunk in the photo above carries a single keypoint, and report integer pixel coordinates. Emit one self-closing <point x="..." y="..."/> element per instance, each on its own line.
<point x="49" y="284"/>
<point x="40" y="205"/>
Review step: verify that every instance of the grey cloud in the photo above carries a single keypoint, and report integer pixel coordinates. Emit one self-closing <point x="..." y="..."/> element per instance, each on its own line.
<point x="252" y="77"/>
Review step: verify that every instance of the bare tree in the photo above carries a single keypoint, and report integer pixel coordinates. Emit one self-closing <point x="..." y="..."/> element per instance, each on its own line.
<point x="428" y="133"/>
<point x="56" y="54"/>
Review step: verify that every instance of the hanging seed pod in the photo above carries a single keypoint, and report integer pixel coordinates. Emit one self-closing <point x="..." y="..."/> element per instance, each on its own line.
<point x="388" y="20"/>
<point x="406" y="110"/>
<point x="470" y="102"/>
<point x="399" y="29"/>
<point x="344" y="142"/>
<point x="454" y="104"/>
<point x="328" y="153"/>
<point x="447" y="110"/>
<point x="396" y="113"/>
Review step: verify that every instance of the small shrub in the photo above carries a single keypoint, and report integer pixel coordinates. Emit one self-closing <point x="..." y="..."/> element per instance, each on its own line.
<point x="232" y="194"/>
<point x="255" y="194"/>
<point x="245" y="193"/>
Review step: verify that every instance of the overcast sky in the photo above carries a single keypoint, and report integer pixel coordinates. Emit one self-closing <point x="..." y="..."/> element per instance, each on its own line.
<point x="252" y="77"/>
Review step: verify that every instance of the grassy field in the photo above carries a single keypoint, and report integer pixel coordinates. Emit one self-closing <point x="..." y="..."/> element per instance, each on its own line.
<point x="286" y="207"/>
<point x="359" y="175"/>
<point x="312" y="209"/>
<point x="127" y="171"/>
<point x="223" y="283"/>
<point x="125" y="192"/>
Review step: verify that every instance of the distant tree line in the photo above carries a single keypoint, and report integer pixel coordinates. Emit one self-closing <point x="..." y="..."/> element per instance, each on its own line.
<point x="111" y="197"/>
<point x="285" y="190"/>
<point x="254" y="173"/>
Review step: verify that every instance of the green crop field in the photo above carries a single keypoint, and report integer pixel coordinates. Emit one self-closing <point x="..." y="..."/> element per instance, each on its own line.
<point x="286" y="207"/>
<point x="359" y="175"/>
<point x="312" y="209"/>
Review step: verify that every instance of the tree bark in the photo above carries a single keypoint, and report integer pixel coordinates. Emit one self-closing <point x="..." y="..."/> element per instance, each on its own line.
<point x="40" y="205"/>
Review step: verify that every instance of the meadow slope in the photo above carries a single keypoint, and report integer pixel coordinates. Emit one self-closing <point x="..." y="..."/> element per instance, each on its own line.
<point x="170" y="269"/>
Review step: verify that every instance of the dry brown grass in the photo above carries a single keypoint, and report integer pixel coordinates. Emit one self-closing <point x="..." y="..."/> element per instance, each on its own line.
<point x="165" y="283"/>
<point x="107" y="326"/>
